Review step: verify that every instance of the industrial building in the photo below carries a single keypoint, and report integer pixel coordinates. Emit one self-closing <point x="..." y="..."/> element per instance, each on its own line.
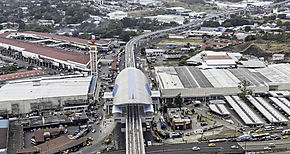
<point x="52" y="40"/>
<point x="53" y="51"/>
<point x="4" y="131"/>
<point x="47" y="93"/>
<point x="43" y="56"/>
<point x="195" y="83"/>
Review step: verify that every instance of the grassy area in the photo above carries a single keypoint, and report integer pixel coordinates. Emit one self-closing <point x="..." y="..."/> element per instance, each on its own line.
<point x="182" y="41"/>
<point x="196" y="7"/>
<point x="208" y="120"/>
<point x="139" y="13"/>
<point x="285" y="20"/>
<point x="274" y="47"/>
<point x="172" y="63"/>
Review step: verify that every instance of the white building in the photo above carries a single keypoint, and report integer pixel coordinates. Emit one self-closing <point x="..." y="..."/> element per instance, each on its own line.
<point x="168" y="18"/>
<point x="278" y="56"/>
<point x="211" y="59"/>
<point x="24" y="96"/>
<point x="154" y="52"/>
<point x="46" y="22"/>
<point x="118" y="15"/>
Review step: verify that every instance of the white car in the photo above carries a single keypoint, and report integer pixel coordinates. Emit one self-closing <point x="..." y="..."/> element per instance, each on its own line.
<point x="267" y="148"/>
<point x="234" y="147"/>
<point x="279" y="128"/>
<point x="195" y="148"/>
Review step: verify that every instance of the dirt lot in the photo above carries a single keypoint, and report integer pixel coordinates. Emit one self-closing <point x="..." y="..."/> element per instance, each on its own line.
<point x="261" y="49"/>
<point x="181" y="41"/>
<point x="197" y="7"/>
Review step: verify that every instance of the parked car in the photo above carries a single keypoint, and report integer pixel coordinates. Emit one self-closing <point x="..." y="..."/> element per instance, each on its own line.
<point x="203" y="124"/>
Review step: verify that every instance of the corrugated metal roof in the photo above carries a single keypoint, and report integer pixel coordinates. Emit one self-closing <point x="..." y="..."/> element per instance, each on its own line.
<point x="131" y="88"/>
<point x="47" y="52"/>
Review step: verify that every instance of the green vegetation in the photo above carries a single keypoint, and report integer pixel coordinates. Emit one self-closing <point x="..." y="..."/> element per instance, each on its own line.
<point x="35" y="27"/>
<point x="244" y="88"/>
<point x="210" y="24"/>
<point x="182" y="60"/>
<point x="236" y="21"/>
<point x="286" y="24"/>
<point x="282" y="16"/>
<point x="115" y="28"/>
<point x="280" y="38"/>
<point x="178" y="101"/>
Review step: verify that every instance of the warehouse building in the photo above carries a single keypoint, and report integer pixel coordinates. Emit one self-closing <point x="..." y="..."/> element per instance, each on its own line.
<point x="24" y="96"/>
<point x="192" y="82"/>
<point x="44" y="56"/>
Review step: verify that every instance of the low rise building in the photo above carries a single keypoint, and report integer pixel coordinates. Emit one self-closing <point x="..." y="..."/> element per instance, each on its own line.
<point x="118" y="15"/>
<point x="179" y="119"/>
<point x="278" y="57"/>
<point x="154" y="52"/>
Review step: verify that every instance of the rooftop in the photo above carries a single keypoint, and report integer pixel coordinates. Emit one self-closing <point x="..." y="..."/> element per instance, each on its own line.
<point x="20" y="75"/>
<point x="46" y="52"/>
<point x="131" y="87"/>
<point x="47" y="88"/>
<point x="191" y="77"/>
<point x="55" y="145"/>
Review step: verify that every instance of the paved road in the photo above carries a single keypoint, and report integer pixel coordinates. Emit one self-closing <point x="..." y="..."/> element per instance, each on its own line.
<point x="187" y="148"/>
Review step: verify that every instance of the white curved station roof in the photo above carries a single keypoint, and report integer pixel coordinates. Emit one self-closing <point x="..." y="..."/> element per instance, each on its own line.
<point x="131" y="87"/>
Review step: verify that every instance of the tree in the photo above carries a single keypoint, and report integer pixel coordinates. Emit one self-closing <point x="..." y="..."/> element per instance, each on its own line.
<point x="21" y="26"/>
<point x="187" y="45"/>
<point x="178" y="100"/>
<point x="30" y="67"/>
<point x="244" y="88"/>
<point x="143" y="51"/>
<point x="247" y="28"/>
<point x="185" y="21"/>
<point x="282" y="16"/>
<point x="210" y="24"/>
<point x="250" y="38"/>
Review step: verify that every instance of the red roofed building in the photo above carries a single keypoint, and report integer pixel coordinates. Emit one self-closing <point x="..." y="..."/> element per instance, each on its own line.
<point x="41" y="55"/>
<point x="103" y="45"/>
<point x="21" y="75"/>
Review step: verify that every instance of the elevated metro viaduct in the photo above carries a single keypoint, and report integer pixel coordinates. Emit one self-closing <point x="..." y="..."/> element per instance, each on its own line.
<point x="132" y="90"/>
